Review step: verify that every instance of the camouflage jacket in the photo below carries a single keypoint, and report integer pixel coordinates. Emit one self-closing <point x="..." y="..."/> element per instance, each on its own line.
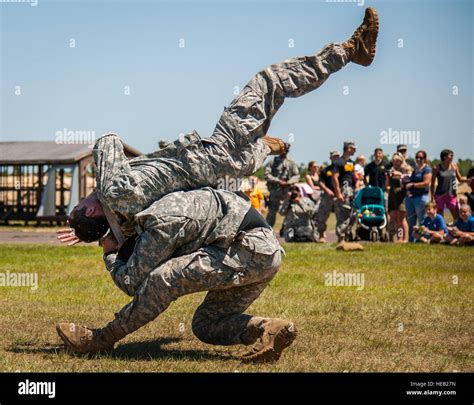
<point x="178" y="224"/>
<point x="299" y="218"/>
<point x="281" y="169"/>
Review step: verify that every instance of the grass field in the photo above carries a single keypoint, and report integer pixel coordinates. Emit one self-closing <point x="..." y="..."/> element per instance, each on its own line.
<point x="410" y="316"/>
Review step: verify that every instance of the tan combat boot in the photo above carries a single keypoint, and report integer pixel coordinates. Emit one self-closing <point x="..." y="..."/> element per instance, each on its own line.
<point x="276" y="145"/>
<point x="361" y="46"/>
<point x="277" y="335"/>
<point x="80" y="339"/>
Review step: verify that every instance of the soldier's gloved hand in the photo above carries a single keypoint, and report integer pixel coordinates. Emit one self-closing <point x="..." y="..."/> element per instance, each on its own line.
<point x="67" y="236"/>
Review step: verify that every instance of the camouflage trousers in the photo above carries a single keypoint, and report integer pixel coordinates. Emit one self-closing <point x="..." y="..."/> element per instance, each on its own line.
<point x="235" y="149"/>
<point x="326" y="206"/>
<point x="343" y="211"/>
<point x="275" y="201"/>
<point x="234" y="277"/>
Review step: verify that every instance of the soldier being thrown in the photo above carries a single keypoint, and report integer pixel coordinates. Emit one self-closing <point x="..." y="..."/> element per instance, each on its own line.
<point x="200" y="240"/>
<point x="237" y="147"/>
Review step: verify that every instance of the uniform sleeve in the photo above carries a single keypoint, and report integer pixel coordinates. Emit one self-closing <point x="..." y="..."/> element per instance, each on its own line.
<point x="269" y="177"/>
<point x="116" y="183"/>
<point x="294" y="174"/>
<point x="153" y="247"/>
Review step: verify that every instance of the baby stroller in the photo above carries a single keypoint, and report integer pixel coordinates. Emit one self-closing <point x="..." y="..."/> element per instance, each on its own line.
<point x="368" y="210"/>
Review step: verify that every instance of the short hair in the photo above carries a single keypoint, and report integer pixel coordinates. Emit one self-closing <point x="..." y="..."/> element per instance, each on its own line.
<point x="445" y="153"/>
<point x="378" y="150"/>
<point x="470" y="173"/>
<point x="466" y="207"/>
<point x="431" y="204"/>
<point x="88" y="229"/>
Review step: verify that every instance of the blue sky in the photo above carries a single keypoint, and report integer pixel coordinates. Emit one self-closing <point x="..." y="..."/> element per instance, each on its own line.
<point x="176" y="89"/>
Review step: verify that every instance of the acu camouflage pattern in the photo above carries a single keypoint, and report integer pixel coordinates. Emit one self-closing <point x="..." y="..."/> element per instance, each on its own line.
<point x="234" y="276"/>
<point x="178" y="224"/>
<point x="234" y="149"/>
<point x="299" y="224"/>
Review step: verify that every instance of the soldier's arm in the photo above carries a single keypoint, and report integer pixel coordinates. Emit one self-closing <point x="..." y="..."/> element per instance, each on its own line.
<point x="116" y="183"/>
<point x="153" y="247"/>
<point x="285" y="207"/>
<point x="269" y="177"/>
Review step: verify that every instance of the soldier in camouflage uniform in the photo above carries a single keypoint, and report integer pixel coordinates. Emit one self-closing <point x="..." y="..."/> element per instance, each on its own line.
<point x="201" y="240"/>
<point x="299" y="212"/>
<point x="280" y="175"/>
<point x="236" y="148"/>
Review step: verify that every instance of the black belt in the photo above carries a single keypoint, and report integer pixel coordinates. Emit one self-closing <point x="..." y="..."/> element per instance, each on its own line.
<point x="253" y="219"/>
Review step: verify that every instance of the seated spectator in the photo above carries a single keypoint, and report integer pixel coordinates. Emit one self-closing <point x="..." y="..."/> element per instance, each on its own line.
<point x="470" y="196"/>
<point x="433" y="229"/>
<point x="359" y="171"/>
<point x="462" y="233"/>
<point x="299" y="224"/>
<point x="375" y="171"/>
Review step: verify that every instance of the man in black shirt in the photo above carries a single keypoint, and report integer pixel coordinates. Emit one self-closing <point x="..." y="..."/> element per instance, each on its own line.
<point x="327" y="198"/>
<point x="376" y="171"/>
<point x="344" y="185"/>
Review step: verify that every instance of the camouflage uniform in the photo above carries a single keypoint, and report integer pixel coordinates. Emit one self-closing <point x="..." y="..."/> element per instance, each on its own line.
<point x="279" y="169"/>
<point x="190" y="242"/>
<point x="234" y="149"/>
<point x="325" y="208"/>
<point x="299" y="224"/>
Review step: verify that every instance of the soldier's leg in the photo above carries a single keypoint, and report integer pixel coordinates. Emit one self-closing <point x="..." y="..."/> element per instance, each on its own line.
<point x="249" y="115"/>
<point x="220" y="319"/>
<point x="273" y="207"/>
<point x="323" y="213"/>
<point x="343" y="216"/>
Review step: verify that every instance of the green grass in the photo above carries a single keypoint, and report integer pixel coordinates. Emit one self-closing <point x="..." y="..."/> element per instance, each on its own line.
<point x="409" y="317"/>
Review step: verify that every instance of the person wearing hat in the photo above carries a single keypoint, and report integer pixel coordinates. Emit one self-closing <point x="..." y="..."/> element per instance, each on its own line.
<point x="403" y="149"/>
<point x="281" y="173"/>
<point x="345" y="185"/>
<point x="328" y="197"/>
<point x="163" y="144"/>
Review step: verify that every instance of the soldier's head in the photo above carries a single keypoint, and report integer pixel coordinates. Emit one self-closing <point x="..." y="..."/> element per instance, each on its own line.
<point x="88" y="219"/>
<point x="294" y="193"/>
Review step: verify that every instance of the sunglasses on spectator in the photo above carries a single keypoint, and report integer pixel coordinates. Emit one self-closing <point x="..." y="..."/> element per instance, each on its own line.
<point x="420" y="158"/>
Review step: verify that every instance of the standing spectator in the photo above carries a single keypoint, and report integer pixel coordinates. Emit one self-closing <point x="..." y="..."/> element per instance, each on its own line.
<point x="396" y="197"/>
<point x="446" y="174"/>
<point x="299" y="224"/>
<point x="327" y="198"/>
<point x="376" y="171"/>
<point x="313" y="180"/>
<point x="433" y="229"/>
<point x="463" y="231"/>
<point x="254" y="193"/>
<point x="359" y="170"/>
<point x="344" y="184"/>
<point x="418" y="192"/>
<point x="280" y="174"/>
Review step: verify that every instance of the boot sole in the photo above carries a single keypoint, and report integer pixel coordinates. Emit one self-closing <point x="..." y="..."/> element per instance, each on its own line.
<point x="283" y="339"/>
<point x="373" y="12"/>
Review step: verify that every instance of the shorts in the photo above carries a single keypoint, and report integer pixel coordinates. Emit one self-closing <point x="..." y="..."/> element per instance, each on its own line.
<point x="446" y="200"/>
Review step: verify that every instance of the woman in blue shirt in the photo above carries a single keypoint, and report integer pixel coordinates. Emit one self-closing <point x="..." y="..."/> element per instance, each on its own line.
<point x="418" y="192"/>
